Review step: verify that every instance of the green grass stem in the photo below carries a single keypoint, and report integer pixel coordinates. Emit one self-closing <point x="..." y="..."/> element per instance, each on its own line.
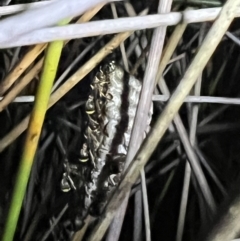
<point x="52" y="56"/>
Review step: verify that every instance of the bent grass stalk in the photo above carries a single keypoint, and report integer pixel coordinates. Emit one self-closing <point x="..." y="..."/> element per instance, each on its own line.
<point x="50" y="66"/>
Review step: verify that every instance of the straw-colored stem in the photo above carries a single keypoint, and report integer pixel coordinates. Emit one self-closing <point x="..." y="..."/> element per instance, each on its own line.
<point x="170" y="48"/>
<point x="10" y="96"/>
<point x="25" y="62"/>
<point x="78" y="236"/>
<point x="145" y="206"/>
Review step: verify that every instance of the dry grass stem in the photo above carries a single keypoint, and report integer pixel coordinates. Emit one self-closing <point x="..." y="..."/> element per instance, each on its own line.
<point x="195" y="164"/>
<point x="43" y="17"/>
<point x="170" y="48"/>
<point x="15" y="58"/>
<point x="140" y="121"/>
<point x="122" y="47"/>
<point x="116" y="226"/>
<point x="138" y="214"/>
<point x="25" y="62"/>
<point x="23" y="99"/>
<point x="210" y="171"/>
<point x="7" y="10"/>
<point x="192" y="137"/>
<point x="94" y="28"/>
<point x="7" y="99"/>
<point x="233" y="38"/>
<point x="145" y="206"/>
<point x="14" y="133"/>
<point x="89" y="14"/>
<point x="55" y="222"/>
<point x="141" y="118"/>
<point x="213" y="115"/>
<point x="102" y="27"/>
<point x="73" y="64"/>
<point x="201" y="99"/>
<point x="78" y="236"/>
<point x="184" y="201"/>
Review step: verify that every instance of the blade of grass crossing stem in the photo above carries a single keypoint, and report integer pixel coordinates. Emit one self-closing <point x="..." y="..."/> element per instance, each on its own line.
<point x="50" y="66"/>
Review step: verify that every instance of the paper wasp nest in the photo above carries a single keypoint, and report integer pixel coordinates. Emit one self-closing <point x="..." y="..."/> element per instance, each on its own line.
<point x="111" y="109"/>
